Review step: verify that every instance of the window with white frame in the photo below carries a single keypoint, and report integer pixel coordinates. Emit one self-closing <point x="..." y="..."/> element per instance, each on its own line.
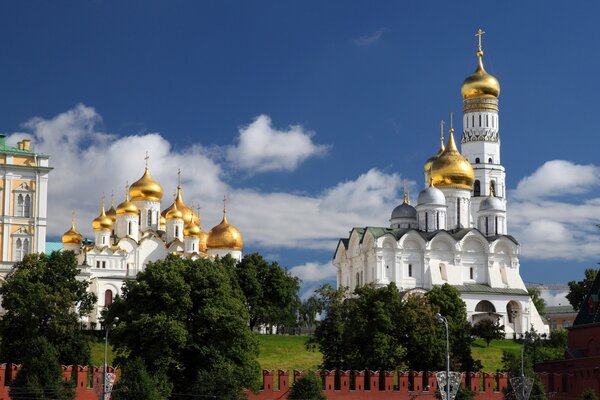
<point x="21" y="247"/>
<point x="22" y="201"/>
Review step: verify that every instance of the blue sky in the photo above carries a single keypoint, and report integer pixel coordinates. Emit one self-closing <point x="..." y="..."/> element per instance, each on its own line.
<point x="359" y="89"/>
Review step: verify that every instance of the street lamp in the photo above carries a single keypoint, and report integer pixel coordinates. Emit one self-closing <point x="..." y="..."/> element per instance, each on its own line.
<point x="444" y="321"/>
<point x="113" y="324"/>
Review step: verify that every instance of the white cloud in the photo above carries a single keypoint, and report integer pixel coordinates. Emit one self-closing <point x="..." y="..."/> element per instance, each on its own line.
<point x="87" y="162"/>
<point x="556" y="229"/>
<point x="368" y="40"/>
<point x="261" y="148"/>
<point x="311" y="272"/>
<point x="558" y="177"/>
<point x="553" y="298"/>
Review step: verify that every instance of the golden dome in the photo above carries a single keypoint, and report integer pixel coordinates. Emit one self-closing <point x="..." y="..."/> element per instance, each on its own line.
<point x="187" y="212"/>
<point x="102" y="222"/>
<point x="224" y="236"/>
<point x="146" y="189"/>
<point x="451" y="169"/>
<point x="191" y="230"/>
<point x="174" y="213"/>
<point x="127" y="207"/>
<point x="72" y="236"/>
<point x="480" y="83"/>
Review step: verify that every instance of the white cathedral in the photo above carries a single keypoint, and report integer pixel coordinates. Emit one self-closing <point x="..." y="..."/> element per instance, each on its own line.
<point x="136" y="232"/>
<point x="457" y="232"/>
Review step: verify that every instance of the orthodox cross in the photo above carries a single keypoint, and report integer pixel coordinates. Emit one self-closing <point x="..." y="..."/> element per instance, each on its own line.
<point x="479" y="35"/>
<point x="225" y="203"/>
<point x="178" y="177"/>
<point x="146" y="158"/>
<point x="442" y="123"/>
<point x="451" y="122"/>
<point x="73" y="217"/>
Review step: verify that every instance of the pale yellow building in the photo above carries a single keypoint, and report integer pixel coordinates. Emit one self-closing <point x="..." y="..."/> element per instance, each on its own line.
<point x="23" y="205"/>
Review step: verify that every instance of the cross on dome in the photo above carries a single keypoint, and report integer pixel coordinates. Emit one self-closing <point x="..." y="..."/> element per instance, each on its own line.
<point x="479" y="35"/>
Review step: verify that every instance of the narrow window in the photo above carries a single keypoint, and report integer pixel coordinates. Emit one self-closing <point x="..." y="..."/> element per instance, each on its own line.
<point x="149" y="218"/>
<point x="486" y="226"/>
<point x="97" y="264"/>
<point x="27" y="206"/>
<point x="458" y="224"/>
<point x="129" y="228"/>
<point x="426" y="222"/>
<point x="496" y="230"/>
<point x="493" y="121"/>
<point x="357" y="280"/>
<point x="493" y="187"/>
<point x="477" y="188"/>
<point x="176" y="231"/>
<point x="477" y="160"/>
<point x="437" y="215"/>
<point x="490" y="160"/>
<point x="19" y="250"/>
<point x="362" y="282"/>
<point x="487" y="121"/>
<point x="108" y="297"/>
<point x="104" y="264"/>
<point x="472" y="120"/>
<point x="480" y="120"/>
<point x="471" y="273"/>
<point x="20" y="205"/>
<point x="410" y="270"/>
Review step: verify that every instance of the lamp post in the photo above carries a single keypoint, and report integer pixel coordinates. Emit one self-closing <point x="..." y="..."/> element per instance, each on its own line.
<point x="444" y="321"/>
<point x="108" y="328"/>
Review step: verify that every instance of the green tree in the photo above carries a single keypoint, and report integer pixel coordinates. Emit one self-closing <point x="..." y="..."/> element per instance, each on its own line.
<point x="488" y="330"/>
<point x="308" y="311"/>
<point x="40" y="376"/>
<point x="538" y="301"/>
<point x="187" y="320"/>
<point x="579" y="289"/>
<point x="136" y="384"/>
<point x="271" y="292"/>
<point x="43" y="299"/>
<point x="589" y="394"/>
<point x="308" y="387"/>
<point x="446" y="300"/>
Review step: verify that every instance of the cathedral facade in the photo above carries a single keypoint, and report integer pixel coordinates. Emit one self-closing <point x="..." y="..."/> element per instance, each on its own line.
<point x="139" y="231"/>
<point x="457" y="233"/>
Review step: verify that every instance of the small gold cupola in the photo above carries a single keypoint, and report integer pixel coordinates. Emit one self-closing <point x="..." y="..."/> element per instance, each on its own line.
<point x="112" y="213"/>
<point x="102" y="222"/>
<point x="187" y="211"/>
<point x="127" y="207"/>
<point x="480" y="83"/>
<point x="72" y="236"/>
<point x="224" y="235"/>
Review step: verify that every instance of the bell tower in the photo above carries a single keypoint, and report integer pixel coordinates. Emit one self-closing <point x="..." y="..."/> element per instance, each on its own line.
<point x="480" y="142"/>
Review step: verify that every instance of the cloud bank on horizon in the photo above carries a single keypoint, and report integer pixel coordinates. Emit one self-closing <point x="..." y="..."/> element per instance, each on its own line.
<point x="88" y="162"/>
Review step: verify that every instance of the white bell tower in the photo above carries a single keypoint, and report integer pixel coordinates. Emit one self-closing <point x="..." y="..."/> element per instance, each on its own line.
<point x="480" y="142"/>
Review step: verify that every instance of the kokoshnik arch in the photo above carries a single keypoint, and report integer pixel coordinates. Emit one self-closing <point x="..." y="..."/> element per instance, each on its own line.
<point x="457" y="233"/>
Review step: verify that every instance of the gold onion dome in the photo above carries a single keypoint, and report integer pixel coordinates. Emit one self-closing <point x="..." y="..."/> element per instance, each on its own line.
<point x="127" y="207"/>
<point x="480" y="83"/>
<point x="146" y="189"/>
<point x="163" y="221"/>
<point x="72" y="236"/>
<point x="191" y="229"/>
<point x="187" y="212"/>
<point x="451" y="169"/>
<point x="224" y="236"/>
<point x="203" y="239"/>
<point x="102" y="222"/>
<point x="428" y="163"/>
<point x="174" y="213"/>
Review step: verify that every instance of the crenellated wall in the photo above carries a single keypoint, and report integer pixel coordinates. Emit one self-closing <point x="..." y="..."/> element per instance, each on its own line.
<point x="367" y="385"/>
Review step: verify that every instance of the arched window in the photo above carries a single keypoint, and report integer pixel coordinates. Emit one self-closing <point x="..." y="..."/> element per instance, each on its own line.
<point x="485" y="306"/>
<point x="477" y="160"/>
<point x="149" y="217"/>
<point x="490" y="160"/>
<point x="493" y="187"/>
<point x="486" y="226"/>
<point x="130" y="228"/>
<point x="426" y="222"/>
<point x="108" y="297"/>
<point x="20" y="205"/>
<point x="410" y="271"/>
<point x="18" y="250"/>
<point x="27" y="206"/>
<point x="176" y="231"/>
<point x="357" y="279"/>
<point x="477" y="188"/>
<point x="458" y="223"/>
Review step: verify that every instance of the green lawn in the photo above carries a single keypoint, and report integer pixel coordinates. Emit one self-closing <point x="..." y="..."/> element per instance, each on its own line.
<point x="289" y="352"/>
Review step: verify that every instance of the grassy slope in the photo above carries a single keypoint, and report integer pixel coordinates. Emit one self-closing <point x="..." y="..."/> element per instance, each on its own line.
<point x="289" y="352"/>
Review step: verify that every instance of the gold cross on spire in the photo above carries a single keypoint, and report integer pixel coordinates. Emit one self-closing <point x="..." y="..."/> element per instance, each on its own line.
<point x="146" y="158"/>
<point x="479" y="35"/>
<point x="178" y="178"/>
<point x="442" y="123"/>
<point x="406" y="196"/>
<point x="73" y="217"/>
<point x="112" y="198"/>
<point x="451" y="122"/>
<point x="225" y="204"/>
<point x="103" y="198"/>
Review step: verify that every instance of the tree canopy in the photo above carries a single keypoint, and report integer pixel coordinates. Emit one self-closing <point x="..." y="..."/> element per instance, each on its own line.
<point x="188" y="321"/>
<point x="488" y="330"/>
<point x="579" y="289"/>
<point x="271" y="292"/>
<point x="376" y="328"/>
<point x="538" y="301"/>
<point x="42" y="298"/>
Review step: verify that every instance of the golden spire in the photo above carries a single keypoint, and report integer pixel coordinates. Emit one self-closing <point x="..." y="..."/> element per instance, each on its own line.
<point x="103" y="199"/>
<point x="451" y="143"/>
<point x="406" y="195"/>
<point x="479" y="35"/>
<point x="225" y="208"/>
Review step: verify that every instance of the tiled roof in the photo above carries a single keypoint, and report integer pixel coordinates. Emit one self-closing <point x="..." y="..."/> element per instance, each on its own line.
<point x="479" y="288"/>
<point x="553" y="310"/>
